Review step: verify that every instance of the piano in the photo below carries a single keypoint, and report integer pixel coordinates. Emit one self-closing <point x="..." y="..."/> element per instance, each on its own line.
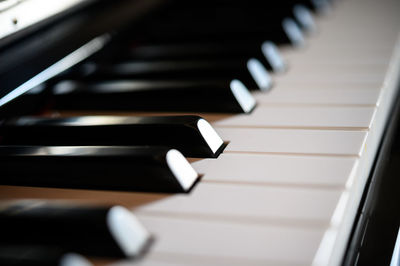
<point x="306" y="157"/>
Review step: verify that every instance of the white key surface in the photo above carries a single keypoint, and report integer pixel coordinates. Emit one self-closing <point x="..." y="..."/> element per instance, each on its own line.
<point x="307" y="171"/>
<point x="229" y="241"/>
<point x="293" y="141"/>
<point x="283" y="116"/>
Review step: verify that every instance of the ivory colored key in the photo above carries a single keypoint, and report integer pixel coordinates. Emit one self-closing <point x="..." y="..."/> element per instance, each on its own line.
<point x="341" y="95"/>
<point x="270" y="169"/>
<point x="246" y="202"/>
<point x="315" y="76"/>
<point x="286" y="116"/>
<point x="338" y="71"/>
<point x="294" y="141"/>
<point x="339" y="55"/>
<point x="223" y="242"/>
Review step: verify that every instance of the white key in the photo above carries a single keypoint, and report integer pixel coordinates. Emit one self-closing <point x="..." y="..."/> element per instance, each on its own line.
<point x="223" y="242"/>
<point x="277" y="169"/>
<point x="247" y="203"/>
<point x="334" y="95"/>
<point x="283" y="116"/>
<point x="330" y="142"/>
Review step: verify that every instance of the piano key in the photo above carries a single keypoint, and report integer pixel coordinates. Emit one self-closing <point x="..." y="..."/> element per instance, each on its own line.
<point x="236" y="23"/>
<point x="321" y="95"/>
<point x="302" y="206"/>
<point x="129" y="168"/>
<point x="241" y="69"/>
<point x="306" y="205"/>
<point x="284" y="205"/>
<point x="341" y="59"/>
<point x="293" y="141"/>
<point x="364" y="75"/>
<point x="272" y="169"/>
<point x="91" y="230"/>
<point x="227" y="243"/>
<point x="192" y="135"/>
<point x="304" y="18"/>
<point x="319" y="6"/>
<point x="307" y="116"/>
<point x="267" y="53"/>
<point x="336" y="56"/>
<point x="191" y="96"/>
<point x="18" y="255"/>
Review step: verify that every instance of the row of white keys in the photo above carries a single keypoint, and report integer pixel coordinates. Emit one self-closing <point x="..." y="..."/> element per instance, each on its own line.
<point x="256" y="202"/>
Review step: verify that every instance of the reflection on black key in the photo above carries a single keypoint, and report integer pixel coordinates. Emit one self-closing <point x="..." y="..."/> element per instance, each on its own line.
<point x="170" y="96"/>
<point x="192" y="135"/>
<point x="250" y="71"/>
<point x="152" y="169"/>
<point x="90" y="230"/>
<point x="33" y="255"/>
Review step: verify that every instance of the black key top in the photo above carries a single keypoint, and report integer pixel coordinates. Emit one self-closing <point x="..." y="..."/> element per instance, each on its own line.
<point x="285" y="31"/>
<point x="238" y="21"/>
<point x="170" y="96"/>
<point x="192" y="135"/>
<point x="251" y="72"/>
<point x="318" y="6"/>
<point x="90" y="230"/>
<point x="267" y="53"/>
<point x="304" y="17"/>
<point x="152" y="169"/>
<point x="294" y="9"/>
<point x="28" y="255"/>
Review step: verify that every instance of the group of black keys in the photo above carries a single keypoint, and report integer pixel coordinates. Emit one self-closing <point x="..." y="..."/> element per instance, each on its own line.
<point x="191" y="57"/>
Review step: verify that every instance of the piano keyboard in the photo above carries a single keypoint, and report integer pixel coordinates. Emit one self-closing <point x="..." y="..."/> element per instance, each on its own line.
<point x="286" y="189"/>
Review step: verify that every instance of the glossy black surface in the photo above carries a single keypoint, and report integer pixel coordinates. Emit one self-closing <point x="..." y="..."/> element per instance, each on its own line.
<point x="214" y="51"/>
<point x="109" y="168"/>
<point x="178" y="132"/>
<point x="219" y="20"/>
<point x="30" y="255"/>
<point x="224" y="70"/>
<point x="145" y="95"/>
<point x="72" y="228"/>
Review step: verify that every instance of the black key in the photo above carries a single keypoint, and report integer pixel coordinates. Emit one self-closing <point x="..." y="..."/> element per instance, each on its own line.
<point x="28" y="255"/>
<point x="318" y="6"/>
<point x="169" y="96"/>
<point x="152" y="169"/>
<point x="250" y="71"/>
<point x="294" y="9"/>
<point x="90" y="230"/>
<point x="267" y="53"/>
<point x="304" y="17"/>
<point x="233" y="21"/>
<point x="192" y="135"/>
<point x="285" y="31"/>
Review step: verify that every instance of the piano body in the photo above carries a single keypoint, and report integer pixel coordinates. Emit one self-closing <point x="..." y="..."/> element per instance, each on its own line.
<point x="290" y="187"/>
